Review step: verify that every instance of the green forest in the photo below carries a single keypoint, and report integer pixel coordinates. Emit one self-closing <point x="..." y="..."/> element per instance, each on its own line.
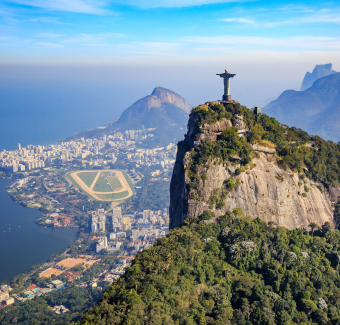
<point x="38" y="311"/>
<point x="229" y="270"/>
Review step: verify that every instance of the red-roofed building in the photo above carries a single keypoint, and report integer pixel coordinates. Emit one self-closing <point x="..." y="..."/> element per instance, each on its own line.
<point x="33" y="286"/>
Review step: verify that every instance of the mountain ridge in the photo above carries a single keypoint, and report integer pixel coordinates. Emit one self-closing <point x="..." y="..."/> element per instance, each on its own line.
<point x="314" y="109"/>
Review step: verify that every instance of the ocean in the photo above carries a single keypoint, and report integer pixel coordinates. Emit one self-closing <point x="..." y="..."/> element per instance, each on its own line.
<point x="42" y="113"/>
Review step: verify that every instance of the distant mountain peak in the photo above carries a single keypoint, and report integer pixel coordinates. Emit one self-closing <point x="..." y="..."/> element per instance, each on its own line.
<point x="169" y="96"/>
<point x="320" y="70"/>
<point x="315" y="109"/>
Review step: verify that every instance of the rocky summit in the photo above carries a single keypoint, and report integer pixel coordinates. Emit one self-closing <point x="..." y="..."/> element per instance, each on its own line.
<point x="160" y="98"/>
<point x="221" y="166"/>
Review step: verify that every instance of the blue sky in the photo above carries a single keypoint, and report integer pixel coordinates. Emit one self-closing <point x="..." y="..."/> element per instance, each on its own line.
<point x="179" y="44"/>
<point x="101" y="31"/>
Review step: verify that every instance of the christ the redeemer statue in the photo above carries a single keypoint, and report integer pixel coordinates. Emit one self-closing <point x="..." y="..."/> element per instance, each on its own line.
<point x="226" y="76"/>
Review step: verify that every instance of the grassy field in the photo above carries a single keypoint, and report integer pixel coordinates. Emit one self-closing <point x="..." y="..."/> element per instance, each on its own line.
<point x="88" y="178"/>
<point x="104" y="196"/>
<point x="119" y="195"/>
<point x="101" y="185"/>
<point x="114" y="183"/>
<point x="69" y="177"/>
<point x="128" y="179"/>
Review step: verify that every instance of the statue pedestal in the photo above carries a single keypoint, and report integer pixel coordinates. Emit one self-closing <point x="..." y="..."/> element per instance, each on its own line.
<point x="226" y="97"/>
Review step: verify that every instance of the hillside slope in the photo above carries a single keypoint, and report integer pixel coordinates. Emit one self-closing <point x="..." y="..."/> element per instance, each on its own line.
<point x="228" y="270"/>
<point x="270" y="172"/>
<point x="315" y="110"/>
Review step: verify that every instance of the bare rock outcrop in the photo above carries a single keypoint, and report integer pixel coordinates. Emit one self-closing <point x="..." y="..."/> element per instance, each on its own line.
<point x="263" y="190"/>
<point x="256" y="147"/>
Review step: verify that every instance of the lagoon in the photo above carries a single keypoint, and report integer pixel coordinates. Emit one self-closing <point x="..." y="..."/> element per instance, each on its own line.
<point x="23" y="243"/>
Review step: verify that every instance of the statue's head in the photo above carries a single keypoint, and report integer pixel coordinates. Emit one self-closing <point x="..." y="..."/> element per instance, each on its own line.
<point x="226" y="71"/>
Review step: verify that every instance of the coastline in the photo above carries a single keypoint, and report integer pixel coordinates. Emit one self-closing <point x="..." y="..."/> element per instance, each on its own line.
<point x="18" y="227"/>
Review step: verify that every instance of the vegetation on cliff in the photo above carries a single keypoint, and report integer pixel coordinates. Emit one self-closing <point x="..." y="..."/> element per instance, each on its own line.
<point x="311" y="156"/>
<point x="231" y="270"/>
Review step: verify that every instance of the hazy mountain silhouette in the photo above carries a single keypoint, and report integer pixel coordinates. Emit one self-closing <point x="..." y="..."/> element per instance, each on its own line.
<point x="163" y="109"/>
<point x="316" y="110"/>
<point x="321" y="70"/>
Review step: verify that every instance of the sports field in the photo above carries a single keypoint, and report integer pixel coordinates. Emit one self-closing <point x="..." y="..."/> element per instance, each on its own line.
<point x="114" y="183"/>
<point x="71" y="262"/>
<point x="103" y="185"/>
<point x="49" y="272"/>
<point x="87" y="178"/>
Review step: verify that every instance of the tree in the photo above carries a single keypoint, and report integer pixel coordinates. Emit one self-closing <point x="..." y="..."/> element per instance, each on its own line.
<point x="313" y="225"/>
<point x="256" y="132"/>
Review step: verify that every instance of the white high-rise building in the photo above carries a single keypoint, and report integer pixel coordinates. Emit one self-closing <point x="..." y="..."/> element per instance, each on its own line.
<point x="102" y="243"/>
<point x="98" y="220"/>
<point x="117" y="212"/>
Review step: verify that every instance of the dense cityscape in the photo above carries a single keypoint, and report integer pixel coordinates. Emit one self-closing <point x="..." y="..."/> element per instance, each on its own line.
<point x="109" y="235"/>
<point x="89" y="152"/>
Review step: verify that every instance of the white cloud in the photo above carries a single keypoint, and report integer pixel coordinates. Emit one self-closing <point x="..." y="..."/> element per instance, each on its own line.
<point x="321" y="16"/>
<point x="238" y="20"/>
<point x="53" y="45"/>
<point x="304" y="42"/>
<point x="49" y="35"/>
<point x="95" y="7"/>
<point x="93" y="40"/>
<point x="49" y="20"/>
<point x="296" y="8"/>
<point x="169" y="3"/>
<point x="159" y="45"/>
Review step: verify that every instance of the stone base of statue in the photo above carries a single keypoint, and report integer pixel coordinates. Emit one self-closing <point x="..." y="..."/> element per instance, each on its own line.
<point x="226" y="98"/>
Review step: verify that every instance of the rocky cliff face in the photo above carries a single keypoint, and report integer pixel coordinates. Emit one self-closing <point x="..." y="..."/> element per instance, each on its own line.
<point x="263" y="189"/>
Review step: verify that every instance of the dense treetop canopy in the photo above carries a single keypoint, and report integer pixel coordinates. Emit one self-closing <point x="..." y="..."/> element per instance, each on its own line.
<point x="229" y="270"/>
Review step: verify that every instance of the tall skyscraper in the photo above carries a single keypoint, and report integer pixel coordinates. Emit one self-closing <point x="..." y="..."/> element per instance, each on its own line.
<point x="19" y="146"/>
